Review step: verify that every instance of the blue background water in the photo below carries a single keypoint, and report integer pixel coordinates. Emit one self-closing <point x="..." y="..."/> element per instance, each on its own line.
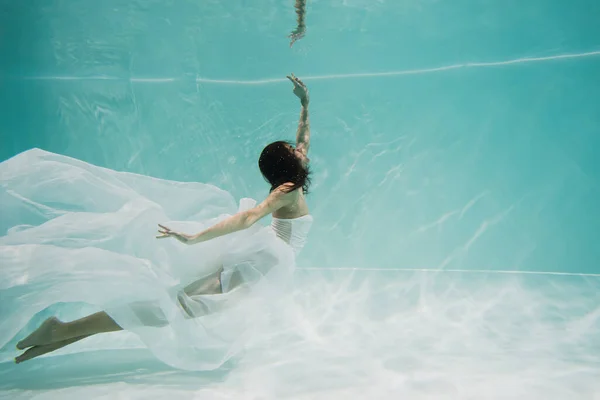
<point x="474" y="168"/>
<point x="420" y="160"/>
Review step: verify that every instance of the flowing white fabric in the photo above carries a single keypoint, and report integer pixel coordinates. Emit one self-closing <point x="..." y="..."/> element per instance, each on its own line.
<point x="74" y="232"/>
<point x="293" y="231"/>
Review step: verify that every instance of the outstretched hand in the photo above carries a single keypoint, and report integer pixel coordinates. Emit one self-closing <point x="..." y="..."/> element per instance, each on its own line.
<point x="166" y="233"/>
<point x="300" y="89"/>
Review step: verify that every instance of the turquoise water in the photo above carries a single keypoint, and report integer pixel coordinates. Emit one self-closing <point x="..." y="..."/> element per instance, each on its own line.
<point x="445" y="136"/>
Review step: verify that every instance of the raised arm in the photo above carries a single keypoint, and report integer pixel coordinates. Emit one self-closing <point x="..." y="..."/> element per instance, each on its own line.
<point x="277" y="199"/>
<point x="303" y="132"/>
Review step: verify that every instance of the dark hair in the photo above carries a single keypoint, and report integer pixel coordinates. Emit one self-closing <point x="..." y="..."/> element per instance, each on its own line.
<point x="278" y="165"/>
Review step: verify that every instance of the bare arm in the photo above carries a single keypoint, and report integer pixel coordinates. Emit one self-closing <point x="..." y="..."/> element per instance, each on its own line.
<point x="303" y="132"/>
<point x="240" y="221"/>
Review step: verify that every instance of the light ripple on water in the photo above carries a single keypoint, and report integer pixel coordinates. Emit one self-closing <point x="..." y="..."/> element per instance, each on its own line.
<point x="373" y="333"/>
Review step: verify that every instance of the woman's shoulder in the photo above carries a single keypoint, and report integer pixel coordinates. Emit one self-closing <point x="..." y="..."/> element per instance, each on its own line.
<point x="287" y="190"/>
<point x="295" y="204"/>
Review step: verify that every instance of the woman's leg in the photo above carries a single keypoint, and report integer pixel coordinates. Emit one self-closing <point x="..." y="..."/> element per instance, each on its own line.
<point x="52" y="330"/>
<point x="37" y="351"/>
<point x="54" y="334"/>
<point x="210" y="284"/>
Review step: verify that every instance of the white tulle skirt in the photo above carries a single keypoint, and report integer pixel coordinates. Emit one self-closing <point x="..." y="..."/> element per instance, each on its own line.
<point x="74" y="232"/>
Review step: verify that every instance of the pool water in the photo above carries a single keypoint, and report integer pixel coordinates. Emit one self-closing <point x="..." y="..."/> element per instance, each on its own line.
<point x="456" y="188"/>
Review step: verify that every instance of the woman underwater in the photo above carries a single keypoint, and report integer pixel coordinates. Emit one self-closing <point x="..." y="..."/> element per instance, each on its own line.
<point x="285" y="167"/>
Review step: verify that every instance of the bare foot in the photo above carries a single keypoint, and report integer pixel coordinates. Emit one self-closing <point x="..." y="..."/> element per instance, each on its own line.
<point x="47" y="333"/>
<point x="37" y="351"/>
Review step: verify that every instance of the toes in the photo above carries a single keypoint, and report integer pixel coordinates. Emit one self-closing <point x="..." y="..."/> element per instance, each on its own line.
<point x="33" y="352"/>
<point x="37" y="351"/>
<point x="41" y="336"/>
<point x="25" y="343"/>
<point x="29" y="341"/>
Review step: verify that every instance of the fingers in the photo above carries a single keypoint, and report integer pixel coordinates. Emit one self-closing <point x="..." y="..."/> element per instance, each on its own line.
<point x="163" y="229"/>
<point x="299" y="81"/>
<point x="296" y="81"/>
<point x="293" y="79"/>
<point x="164" y="232"/>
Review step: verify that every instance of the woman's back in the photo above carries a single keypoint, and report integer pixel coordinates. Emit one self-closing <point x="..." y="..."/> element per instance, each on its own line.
<point x="292" y="223"/>
<point x="297" y="206"/>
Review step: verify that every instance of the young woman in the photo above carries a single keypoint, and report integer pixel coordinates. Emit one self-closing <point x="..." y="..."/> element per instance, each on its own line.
<point x="235" y="272"/>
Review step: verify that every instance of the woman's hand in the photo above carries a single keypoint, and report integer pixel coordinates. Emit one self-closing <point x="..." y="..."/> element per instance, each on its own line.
<point x="300" y="89"/>
<point x="166" y="233"/>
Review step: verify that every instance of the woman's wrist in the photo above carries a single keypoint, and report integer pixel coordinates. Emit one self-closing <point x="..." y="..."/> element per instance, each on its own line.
<point x="185" y="238"/>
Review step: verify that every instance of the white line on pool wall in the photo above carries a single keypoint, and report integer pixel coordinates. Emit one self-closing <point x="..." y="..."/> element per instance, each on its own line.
<point x="467" y="271"/>
<point x="267" y="81"/>
<point x="405" y="72"/>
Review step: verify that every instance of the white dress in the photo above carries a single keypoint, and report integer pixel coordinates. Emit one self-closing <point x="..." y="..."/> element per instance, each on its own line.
<point x="74" y="232"/>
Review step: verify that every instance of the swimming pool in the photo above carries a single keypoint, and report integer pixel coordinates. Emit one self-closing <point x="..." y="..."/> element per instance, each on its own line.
<point x="453" y="137"/>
